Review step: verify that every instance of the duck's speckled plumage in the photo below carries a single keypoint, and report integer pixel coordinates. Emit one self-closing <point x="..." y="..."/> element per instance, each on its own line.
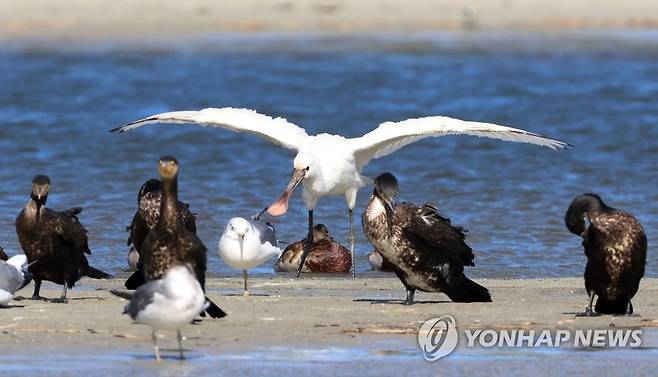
<point x="615" y="245"/>
<point x="326" y="255"/>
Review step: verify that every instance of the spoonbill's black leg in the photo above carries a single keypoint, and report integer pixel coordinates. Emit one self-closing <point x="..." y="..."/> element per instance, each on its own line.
<point x="307" y="244"/>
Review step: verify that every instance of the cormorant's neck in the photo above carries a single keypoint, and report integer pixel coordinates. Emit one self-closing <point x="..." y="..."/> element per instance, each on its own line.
<point x="35" y="206"/>
<point x="169" y="200"/>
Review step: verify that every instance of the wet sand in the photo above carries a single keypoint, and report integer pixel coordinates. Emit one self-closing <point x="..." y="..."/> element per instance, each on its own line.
<point x="317" y="311"/>
<point x="317" y="326"/>
<point x="94" y="19"/>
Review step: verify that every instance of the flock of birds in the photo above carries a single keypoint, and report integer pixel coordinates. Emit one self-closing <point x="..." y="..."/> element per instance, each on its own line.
<point x="416" y="242"/>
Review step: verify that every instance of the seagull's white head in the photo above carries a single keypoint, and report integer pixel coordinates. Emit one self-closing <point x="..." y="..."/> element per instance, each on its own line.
<point x="304" y="167"/>
<point x="19" y="261"/>
<point x="238" y="228"/>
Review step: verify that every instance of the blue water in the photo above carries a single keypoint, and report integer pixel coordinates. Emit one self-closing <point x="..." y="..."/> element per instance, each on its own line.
<point x="595" y="90"/>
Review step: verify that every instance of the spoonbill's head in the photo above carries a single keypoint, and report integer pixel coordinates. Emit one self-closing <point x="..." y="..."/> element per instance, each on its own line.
<point x="40" y="189"/>
<point x="168" y="167"/>
<point x="238" y="228"/>
<point x="386" y="189"/>
<point x="304" y="167"/>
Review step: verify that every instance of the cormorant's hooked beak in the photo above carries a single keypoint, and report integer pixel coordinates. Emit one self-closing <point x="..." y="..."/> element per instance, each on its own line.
<point x="575" y="222"/>
<point x="388" y="203"/>
<point x="280" y="207"/>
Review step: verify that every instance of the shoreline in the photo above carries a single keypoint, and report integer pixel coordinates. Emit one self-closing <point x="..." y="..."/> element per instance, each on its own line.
<point x="90" y="20"/>
<point x="315" y="310"/>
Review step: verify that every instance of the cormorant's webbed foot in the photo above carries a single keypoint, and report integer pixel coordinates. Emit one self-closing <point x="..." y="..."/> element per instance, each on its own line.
<point x="588" y="313"/>
<point x="37" y="297"/>
<point x="61" y="300"/>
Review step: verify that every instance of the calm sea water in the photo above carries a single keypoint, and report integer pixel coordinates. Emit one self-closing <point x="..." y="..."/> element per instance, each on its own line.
<point x="596" y="91"/>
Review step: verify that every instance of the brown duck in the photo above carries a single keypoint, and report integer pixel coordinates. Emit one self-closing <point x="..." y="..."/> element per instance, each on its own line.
<point x="326" y="255"/>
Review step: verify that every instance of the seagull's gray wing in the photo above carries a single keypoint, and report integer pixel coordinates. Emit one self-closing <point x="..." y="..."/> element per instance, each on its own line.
<point x="10" y="279"/>
<point x="144" y="296"/>
<point x="265" y="231"/>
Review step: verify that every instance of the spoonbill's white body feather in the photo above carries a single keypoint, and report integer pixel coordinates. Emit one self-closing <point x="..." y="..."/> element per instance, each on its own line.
<point x="339" y="160"/>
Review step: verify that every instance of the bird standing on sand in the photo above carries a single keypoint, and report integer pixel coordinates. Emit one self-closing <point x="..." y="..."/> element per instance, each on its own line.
<point x="426" y="251"/>
<point x="144" y="221"/>
<point x="616" y="249"/>
<point x="170" y="242"/>
<point x="13" y="276"/>
<point x="56" y="239"/>
<point x="326" y="255"/>
<point x="169" y="303"/>
<point x="331" y="164"/>
<point x="246" y="244"/>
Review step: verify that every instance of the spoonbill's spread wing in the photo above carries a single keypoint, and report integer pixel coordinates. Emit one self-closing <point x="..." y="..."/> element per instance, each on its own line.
<point x="277" y="130"/>
<point x="391" y="136"/>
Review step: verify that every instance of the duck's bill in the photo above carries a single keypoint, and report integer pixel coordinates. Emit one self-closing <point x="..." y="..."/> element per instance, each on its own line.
<point x="280" y="207"/>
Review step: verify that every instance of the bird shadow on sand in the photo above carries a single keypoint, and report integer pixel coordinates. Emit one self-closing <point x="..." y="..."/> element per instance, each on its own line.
<point x="250" y="295"/>
<point x="11" y="306"/>
<point x="88" y="298"/>
<point x="399" y="302"/>
<point x="596" y="315"/>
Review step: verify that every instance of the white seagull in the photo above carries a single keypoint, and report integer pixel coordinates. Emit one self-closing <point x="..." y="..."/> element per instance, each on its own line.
<point x="247" y="244"/>
<point x="13" y="276"/>
<point x="331" y="164"/>
<point x="169" y="303"/>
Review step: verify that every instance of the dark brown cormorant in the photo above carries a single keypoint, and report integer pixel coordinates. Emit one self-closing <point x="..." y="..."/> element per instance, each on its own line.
<point x="55" y="240"/>
<point x="616" y="249"/>
<point x="427" y="253"/>
<point x="144" y="221"/>
<point x="326" y="254"/>
<point x="171" y="242"/>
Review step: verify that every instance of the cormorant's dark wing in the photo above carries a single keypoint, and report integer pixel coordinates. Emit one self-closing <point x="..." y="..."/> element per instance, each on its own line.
<point x="188" y="218"/>
<point x="138" y="231"/>
<point x="67" y="226"/>
<point x="426" y="224"/>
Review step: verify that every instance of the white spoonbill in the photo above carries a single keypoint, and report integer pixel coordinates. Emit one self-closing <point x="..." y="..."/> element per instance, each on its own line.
<point x="247" y="244"/>
<point x="331" y="164"/>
